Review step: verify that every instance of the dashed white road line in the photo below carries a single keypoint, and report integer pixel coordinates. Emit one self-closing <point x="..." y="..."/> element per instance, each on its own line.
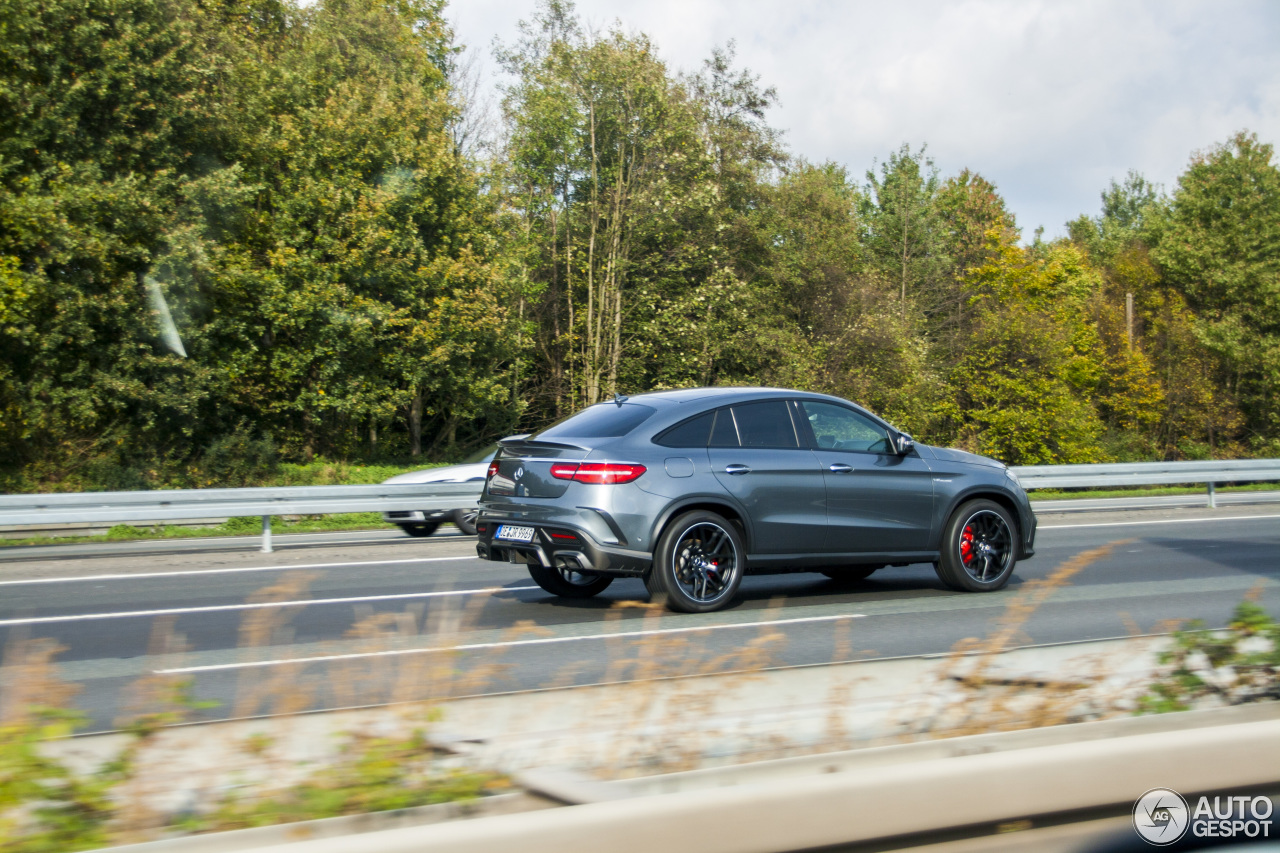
<point x="540" y="641"/>
<point x="219" y="608"/>
<point x="232" y="570"/>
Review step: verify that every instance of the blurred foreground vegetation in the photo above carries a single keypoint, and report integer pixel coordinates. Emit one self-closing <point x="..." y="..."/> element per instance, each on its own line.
<point x="237" y="234"/>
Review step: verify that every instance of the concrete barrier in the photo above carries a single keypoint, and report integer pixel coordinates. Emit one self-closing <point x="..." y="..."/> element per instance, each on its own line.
<point x="884" y="802"/>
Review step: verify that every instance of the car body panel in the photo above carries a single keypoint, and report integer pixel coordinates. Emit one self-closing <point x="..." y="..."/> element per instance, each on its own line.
<point x="781" y="490"/>
<point x="885" y="503"/>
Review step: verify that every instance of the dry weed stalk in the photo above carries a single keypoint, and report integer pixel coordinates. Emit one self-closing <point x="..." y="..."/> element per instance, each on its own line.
<point x="29" y="680"/>
<point x="668" y="716"/>
<point x="276" y="689"/>
<point x="989" y="703"/>
<point x="152" y="702"/>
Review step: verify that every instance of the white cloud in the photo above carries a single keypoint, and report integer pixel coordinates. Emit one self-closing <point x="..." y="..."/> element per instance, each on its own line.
<point x="1049" y="100"/>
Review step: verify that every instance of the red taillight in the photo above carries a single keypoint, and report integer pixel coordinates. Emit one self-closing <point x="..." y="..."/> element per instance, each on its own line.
<point x="597" y="473"/>
<point x="493" y="469"/>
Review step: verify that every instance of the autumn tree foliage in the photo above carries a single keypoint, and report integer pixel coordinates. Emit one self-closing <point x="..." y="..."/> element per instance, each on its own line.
<point x="236" y="231"/>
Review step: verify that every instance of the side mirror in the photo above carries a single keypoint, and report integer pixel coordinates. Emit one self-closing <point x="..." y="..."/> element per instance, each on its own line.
<point x="903" y="443"/>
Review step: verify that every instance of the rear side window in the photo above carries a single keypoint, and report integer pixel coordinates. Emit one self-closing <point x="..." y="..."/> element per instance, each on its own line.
<point x="692" y="433"/>
<point x="603" y="420"/>
<point x="725" y="432"/>
<point x="765" y="424"/>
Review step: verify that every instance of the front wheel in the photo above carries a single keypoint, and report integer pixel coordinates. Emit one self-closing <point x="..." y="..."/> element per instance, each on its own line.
<point x="979" y="548"/>
<point x="569" y="583"/>
<point x="698" y="564"/>
<point x="422" y="528"/>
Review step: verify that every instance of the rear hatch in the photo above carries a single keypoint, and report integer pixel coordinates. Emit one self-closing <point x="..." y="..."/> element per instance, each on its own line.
<point x="524" y="468"/>
<point x="524" y="462"/>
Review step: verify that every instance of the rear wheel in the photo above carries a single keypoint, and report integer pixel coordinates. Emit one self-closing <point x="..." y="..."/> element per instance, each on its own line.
<point x="850" y="573"/>
<point x="698" y="564"/>
<point x="420" y="528"/>
<point x="979" y="548"/>
<point x="569" y="583"/>
<point x="465" y="520"/>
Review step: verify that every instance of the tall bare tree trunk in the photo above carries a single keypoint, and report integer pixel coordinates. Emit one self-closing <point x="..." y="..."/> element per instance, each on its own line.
<point x="906" y="224"/>
<point x="615" y="265"/>
<point x="591" y="360"/>
<point x="568" y="285"/>
<point x="415" y="425"/>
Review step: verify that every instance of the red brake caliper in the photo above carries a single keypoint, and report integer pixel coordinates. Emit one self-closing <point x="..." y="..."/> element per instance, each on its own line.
<point x="966" y="545"/>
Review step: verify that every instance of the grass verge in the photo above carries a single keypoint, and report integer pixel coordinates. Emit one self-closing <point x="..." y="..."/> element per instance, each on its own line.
<point x="1142" y="492"/>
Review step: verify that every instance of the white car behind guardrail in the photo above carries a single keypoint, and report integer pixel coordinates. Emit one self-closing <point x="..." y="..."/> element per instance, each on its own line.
<point x="425" y="522"/>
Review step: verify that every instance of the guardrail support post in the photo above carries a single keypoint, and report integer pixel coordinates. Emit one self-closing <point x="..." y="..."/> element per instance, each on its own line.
<point x="1212" y="501"/>
<point x="266" y="534"/>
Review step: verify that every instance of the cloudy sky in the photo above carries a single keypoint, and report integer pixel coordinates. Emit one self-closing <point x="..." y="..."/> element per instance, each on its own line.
<point x="1050" y="100"/>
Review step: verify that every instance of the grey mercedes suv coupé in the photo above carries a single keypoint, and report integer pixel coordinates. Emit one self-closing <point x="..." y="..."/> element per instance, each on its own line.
<point x="693" y="489"/>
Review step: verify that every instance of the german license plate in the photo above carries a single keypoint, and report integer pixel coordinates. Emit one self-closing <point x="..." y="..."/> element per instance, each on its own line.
<point x="514" y="533"/>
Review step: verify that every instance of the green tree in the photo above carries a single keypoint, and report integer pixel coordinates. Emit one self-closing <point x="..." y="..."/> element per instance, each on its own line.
<point x="104" y="138"/>
<point x="1221" y="248"/>
<point x="902" y="231"/>
<point x="1022" y="389"/>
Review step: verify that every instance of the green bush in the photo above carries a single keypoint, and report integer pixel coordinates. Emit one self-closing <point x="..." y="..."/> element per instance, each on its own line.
<point x="1233" y="666"/>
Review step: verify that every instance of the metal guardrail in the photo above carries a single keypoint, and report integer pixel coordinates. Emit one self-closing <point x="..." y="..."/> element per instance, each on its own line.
<point x="178" y="504"/>
<point x="172" y="505"/>
<point x="1120" y="475"/>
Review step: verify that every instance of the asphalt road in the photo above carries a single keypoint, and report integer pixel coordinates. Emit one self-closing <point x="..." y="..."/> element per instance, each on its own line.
<point x="344" y="621"/>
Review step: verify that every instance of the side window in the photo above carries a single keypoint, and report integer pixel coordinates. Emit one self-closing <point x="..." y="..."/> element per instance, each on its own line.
<point x="837" y="428"/>
<point x="766" y="424"/>
<point x="725" y="432"/>
<point x="691" y="433"/>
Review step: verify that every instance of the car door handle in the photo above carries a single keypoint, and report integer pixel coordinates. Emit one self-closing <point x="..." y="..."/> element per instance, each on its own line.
<point x="737" y="469"/>
<point x="840" y="468"/>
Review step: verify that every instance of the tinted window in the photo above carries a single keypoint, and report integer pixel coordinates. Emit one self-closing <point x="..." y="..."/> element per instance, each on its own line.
<point x="692" y="433"/>
<point x="724" y="434"/>
<point x="603" y="420"/>
<point x="837" y="428"/>
<point x="765" y="424"/>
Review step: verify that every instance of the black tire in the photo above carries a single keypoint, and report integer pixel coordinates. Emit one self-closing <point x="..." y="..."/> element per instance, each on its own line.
<point x="568" y="584"/>
<point x="689" y="574"/>
<point x="850" y="573"/>
<point x="979" y="548"/>
<point x="420" y="528"/>
<point x="465" y="520"/>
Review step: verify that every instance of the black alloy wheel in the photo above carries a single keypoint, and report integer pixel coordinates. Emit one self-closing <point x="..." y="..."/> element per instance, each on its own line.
<point x="698" y="564"/>
<point x="465" y="520"/>
<point x="979" y="548"/>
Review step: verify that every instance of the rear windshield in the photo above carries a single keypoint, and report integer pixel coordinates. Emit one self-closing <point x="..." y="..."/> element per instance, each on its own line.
<point x="603" y="420"/>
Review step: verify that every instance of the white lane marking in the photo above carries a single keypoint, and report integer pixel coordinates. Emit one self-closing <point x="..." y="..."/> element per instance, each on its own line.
<point x="218" y="608"/>
<point x="278" y="538"/>
<point x="1157" y="521"/>
<point x="195" y="572"/>
<point x="541" y="641"/>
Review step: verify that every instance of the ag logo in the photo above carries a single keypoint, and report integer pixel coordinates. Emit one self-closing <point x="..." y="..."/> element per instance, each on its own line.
<point x="1161" y="816"/>
<point x="519" y="472"/>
